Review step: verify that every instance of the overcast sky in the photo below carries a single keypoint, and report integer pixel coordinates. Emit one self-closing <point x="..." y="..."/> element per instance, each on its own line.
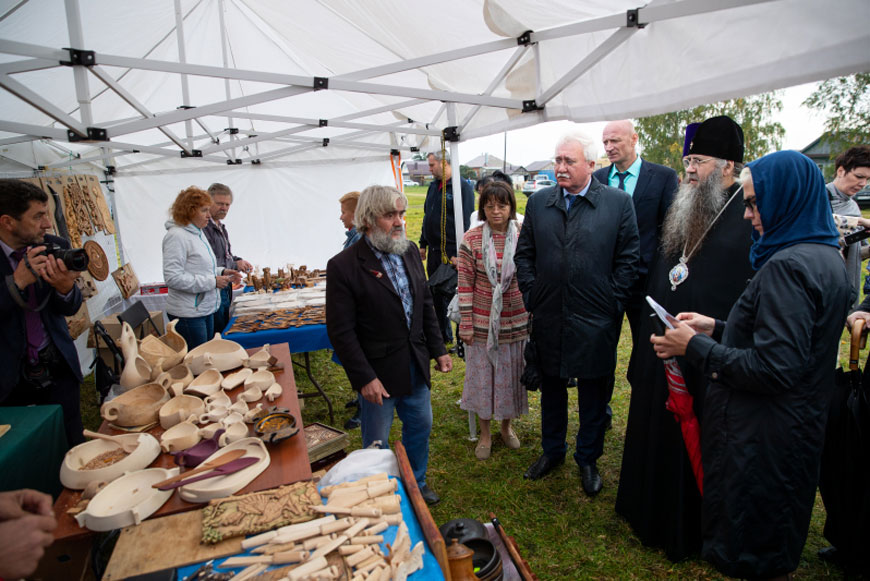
<point x="802" y="127"/>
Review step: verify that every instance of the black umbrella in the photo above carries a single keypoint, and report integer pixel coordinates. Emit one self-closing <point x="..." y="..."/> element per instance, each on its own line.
<point x="844" y="480"/>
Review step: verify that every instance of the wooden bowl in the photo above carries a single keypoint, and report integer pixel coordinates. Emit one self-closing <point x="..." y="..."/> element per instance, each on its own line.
<point x="218" y="354"/>
<point x="178" y="409"/>
<point x="137" y="407"/>
<point x="72" y="477"/>
<point x="208" y="383"/>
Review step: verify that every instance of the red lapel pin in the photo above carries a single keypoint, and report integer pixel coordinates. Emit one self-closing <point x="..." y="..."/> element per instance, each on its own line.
<point x="377" y="273"/>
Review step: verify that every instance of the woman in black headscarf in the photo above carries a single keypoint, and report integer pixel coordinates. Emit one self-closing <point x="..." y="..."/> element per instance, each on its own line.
<point x="771" y="366"/>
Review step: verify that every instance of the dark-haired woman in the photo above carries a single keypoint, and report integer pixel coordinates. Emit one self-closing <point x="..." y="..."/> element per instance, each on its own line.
<point x="494" y="324"/>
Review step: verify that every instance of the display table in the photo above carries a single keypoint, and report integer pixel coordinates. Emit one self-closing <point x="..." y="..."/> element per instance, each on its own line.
<point x="289" y="458"/>
<point x="32" y="450"/>
<point x="303" y="339"/>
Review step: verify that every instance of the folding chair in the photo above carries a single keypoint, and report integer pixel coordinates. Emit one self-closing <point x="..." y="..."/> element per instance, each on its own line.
<point x="136" y="316"/>
<point x="104" y="376"/>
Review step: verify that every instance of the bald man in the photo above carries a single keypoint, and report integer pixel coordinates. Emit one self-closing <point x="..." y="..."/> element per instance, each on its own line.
<point x="651" y="187"/>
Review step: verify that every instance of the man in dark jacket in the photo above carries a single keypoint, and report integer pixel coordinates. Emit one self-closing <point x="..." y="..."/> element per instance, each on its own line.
<point x="380" y="321"/>
<point x="652" y="188"/>
<point x="430" y="236"/>
<point x="216" y="232"/>
<point x="576" y="261"/>
<point x="39" y="359"/>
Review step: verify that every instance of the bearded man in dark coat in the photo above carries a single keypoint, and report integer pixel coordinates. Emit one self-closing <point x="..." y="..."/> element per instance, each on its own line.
<point x="702" y="266"/>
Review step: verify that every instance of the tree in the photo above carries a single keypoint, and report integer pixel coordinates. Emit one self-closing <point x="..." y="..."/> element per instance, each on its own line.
<point x="662" y="136"/>
<point x="846" y="101"/>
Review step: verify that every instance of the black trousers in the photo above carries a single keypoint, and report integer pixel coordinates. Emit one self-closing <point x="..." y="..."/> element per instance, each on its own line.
<point x="64" y="390"/>
<point x="222" y="315"/>
<point x="592" y="396"/>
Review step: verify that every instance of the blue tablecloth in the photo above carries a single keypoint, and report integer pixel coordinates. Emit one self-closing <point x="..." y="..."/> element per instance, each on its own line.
<point x="430" y="571"/>
<point x="301" y="339"/>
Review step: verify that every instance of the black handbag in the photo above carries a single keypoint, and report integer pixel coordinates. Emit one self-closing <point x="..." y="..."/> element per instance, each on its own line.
<point x="531" y="377"/>
<point x="443" y="280"/>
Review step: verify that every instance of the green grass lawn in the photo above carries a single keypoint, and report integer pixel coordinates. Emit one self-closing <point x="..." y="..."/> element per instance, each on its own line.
<point x="562" y="533"/>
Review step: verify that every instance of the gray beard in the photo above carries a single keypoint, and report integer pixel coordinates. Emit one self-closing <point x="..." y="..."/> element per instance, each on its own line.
<point x="384" y="242"/>
<point x="693" y="210"/>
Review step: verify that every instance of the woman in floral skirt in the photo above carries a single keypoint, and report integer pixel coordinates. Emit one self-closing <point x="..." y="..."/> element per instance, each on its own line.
<point x="494" y="323"/>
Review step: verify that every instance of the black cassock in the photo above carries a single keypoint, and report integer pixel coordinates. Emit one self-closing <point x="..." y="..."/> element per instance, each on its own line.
<point x="657" y="490"/>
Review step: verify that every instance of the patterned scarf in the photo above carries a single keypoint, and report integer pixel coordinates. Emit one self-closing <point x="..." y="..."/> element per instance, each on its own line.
<point x="499" y="287"/>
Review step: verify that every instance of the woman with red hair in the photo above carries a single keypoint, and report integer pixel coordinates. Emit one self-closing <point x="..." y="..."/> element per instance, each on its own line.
<point x="190" y="269"/>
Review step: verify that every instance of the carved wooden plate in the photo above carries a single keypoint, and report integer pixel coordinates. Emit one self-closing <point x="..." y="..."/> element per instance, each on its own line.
<point x="98" y="265"/>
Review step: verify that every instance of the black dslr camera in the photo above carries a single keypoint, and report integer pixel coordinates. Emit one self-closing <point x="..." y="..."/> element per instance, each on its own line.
<point x="73" y="258"/>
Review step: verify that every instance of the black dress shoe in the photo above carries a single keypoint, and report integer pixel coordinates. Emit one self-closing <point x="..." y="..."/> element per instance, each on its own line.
<point x="352" y="423"/>
<point x="542" y="466"/>
<point x="591" y="480"/>
<point x="429" y="495"/>
<point x="608" y="423"/>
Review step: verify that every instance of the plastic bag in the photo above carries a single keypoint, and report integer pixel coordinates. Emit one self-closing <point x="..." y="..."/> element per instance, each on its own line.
<point x="453" y="310"/>
<point x="360" y="463"/>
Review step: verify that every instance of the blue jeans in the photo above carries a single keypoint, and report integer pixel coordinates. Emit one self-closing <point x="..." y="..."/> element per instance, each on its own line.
<point x="195" y="330"/>
<point x="222" y="315"/>
<point x="415" y="411"/>
<point x="592" y="396"/>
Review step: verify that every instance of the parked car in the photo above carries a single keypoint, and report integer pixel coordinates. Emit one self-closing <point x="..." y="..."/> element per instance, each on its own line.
<point x="407" y="183"/>
<point x="862" y="198"/>
<point x="532" y="186"/>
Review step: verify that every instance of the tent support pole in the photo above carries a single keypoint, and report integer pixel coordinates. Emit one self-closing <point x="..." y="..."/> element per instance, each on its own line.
<point x="593" y="58"/>
<point x="496" y="81"/>
<point x="103" y="76"/>
<point x="80" y="73"/>
<point x="456" y="181"/>
<point x="182" y="58"/>
<point x="226" y="61"/>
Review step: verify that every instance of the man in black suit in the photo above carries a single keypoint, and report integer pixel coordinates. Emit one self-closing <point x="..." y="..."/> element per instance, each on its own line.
<point x="39" y="359"/>
<point x="652" y="188"/>
<point x="381" y="322"/>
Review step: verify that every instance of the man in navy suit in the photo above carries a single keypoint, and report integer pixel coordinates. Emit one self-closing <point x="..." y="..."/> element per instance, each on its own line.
<point x="38" y="356"/>
<point x="651" y="187"/>
<point x="381" y="322"/>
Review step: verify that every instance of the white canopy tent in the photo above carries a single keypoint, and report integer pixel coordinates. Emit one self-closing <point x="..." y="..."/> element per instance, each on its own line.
<point x="294" y="103"/>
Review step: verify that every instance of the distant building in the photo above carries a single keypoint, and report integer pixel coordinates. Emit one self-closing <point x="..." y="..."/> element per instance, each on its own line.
<point x="823" y="152"/>
<point x="544" y="168"/>
<point x="485" y="163"/>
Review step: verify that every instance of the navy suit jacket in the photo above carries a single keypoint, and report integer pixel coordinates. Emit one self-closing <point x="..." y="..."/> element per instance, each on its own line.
<point x="653" y="194"/>
<point x="366" y="324"/>
<point x="13" y="340"/>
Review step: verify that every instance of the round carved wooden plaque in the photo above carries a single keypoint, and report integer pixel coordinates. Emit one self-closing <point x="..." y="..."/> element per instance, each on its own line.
<point x="98" y="265"/>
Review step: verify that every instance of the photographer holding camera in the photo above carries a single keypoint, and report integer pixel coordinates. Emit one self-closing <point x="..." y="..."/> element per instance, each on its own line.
<point x="37" y="354"/>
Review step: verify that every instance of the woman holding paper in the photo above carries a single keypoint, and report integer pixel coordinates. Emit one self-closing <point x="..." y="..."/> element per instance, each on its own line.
<point x="771" y="365"/>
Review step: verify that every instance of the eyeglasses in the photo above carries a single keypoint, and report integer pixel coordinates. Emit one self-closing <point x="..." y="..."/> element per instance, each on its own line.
<point x="749" y="204"/>
<point x="565" y="160"/>
<point x="695" y="161"/>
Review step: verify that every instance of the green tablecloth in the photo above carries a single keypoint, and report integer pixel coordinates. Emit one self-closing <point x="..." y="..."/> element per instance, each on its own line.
<point x="32" y="450"/>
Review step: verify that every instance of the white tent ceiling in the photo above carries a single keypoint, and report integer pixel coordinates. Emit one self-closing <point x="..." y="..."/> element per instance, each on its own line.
<point x="176" y="89"/>
<point x="252" y="65"/>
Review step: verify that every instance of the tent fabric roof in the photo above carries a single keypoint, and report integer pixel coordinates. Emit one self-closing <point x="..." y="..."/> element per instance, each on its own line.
<point x="269" y="80"/>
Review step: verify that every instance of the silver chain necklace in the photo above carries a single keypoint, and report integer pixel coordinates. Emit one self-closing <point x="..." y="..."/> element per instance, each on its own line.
<point x="680" y="272"/>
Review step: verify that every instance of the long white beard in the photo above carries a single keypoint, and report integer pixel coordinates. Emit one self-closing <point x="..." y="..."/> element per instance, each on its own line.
<point x="693" y="210"/>
<point x="384" y="241"/>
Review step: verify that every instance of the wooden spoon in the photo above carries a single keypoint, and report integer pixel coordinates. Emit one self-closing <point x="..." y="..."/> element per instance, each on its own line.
<point x="210" y="465"/>
<point x="127" y="447"/>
